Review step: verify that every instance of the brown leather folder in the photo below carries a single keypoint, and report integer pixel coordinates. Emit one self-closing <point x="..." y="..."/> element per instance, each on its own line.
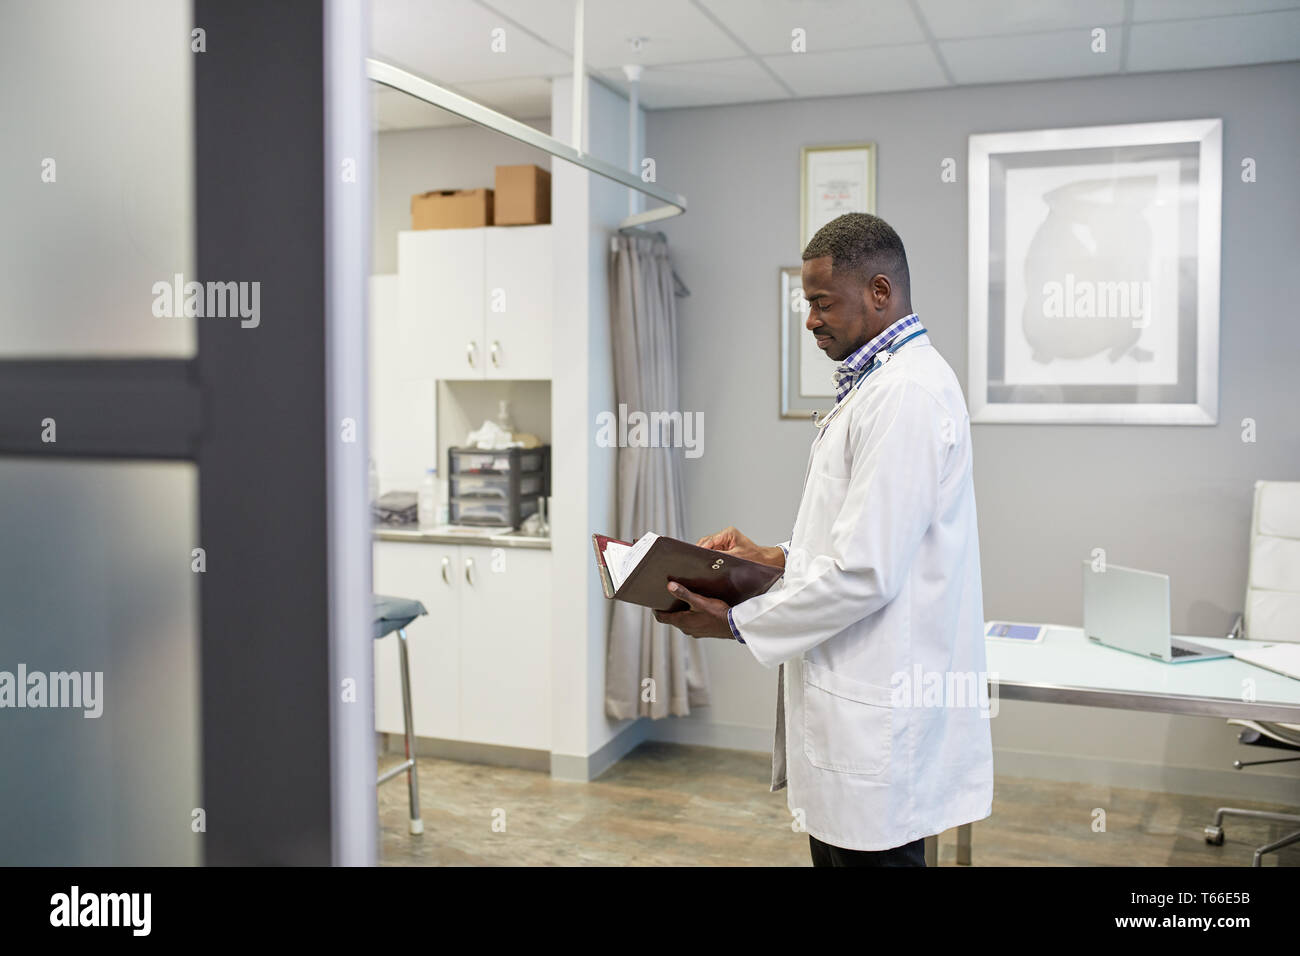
<point x="712" y="573"/>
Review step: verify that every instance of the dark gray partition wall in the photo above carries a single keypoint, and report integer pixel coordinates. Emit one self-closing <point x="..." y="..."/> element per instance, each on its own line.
<point x="271" y="466"/>
<point x="184" y="530"/>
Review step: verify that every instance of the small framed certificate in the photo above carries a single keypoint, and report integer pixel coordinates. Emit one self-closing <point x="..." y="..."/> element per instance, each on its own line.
<point x="807" y="374"/>
<point x="835" y="180"/>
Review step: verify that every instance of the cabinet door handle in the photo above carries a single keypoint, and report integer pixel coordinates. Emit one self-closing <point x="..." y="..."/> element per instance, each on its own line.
<point x="469" y="570"/>
<point x="470" y="348"/>
<point x="496" y="351"/>
<point x="446" y="568"/>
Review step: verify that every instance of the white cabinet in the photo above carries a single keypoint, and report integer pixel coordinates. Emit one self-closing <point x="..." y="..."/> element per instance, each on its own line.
<point x="440" y="296"/>
<point x="478" y="301"/>
<point x="480" y="660"/>
<point x="505" y="629"/>
<point x="518" y="280"/>
<point x="417" y="571"/>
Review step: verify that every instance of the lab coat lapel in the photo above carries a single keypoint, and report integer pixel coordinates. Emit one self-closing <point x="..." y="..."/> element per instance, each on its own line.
<point x="812" y="453"/>
<point x="779" y="767"/>
<point x="779" y="770"/>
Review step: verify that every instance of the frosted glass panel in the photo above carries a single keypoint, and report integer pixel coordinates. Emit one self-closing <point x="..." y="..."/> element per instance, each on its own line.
<point x="96" y="176"/>
<point x="95" y="578"/>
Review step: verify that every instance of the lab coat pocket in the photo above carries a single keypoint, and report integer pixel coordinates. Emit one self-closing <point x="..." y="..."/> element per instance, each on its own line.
<point x="848" y="724"/>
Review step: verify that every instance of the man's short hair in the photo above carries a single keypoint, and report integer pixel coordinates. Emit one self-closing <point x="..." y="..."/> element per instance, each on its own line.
<point x="864" y="244"/>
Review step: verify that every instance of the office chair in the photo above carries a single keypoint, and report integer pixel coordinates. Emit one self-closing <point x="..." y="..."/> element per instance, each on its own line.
<point x="394" y="614"/>
<point x="1272" y="613"/>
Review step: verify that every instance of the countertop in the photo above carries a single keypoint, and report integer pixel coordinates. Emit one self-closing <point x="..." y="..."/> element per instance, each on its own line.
<point x="488" y="537"/>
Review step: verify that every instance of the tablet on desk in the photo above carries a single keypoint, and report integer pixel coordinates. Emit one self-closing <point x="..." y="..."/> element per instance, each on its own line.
<point x="1015" y="633"/>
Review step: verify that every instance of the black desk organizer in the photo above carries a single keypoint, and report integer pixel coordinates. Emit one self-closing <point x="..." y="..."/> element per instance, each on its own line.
<point x="496" y="488"/>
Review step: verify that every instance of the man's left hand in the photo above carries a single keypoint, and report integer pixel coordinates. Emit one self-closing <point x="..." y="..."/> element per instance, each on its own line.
<point x="707" y="617"/>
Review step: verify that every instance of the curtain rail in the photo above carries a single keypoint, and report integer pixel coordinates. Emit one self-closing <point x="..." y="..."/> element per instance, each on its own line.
<point x="430" y="92"/>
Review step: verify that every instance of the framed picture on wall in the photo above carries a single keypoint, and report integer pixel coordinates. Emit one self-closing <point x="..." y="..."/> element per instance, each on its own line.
<point x="835" y="180"/>
<point x="807" y="385"/>
<point x="1094" y="274"/>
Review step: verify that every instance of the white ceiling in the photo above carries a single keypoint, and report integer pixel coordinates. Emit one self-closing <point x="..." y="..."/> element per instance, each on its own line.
<point x="705" y="52"/>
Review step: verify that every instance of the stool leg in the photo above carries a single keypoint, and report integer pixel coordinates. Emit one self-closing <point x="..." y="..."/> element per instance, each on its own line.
<point x="412" y="775"/>
<point x="963" y="844"/>
<point x="1285" y="841"/>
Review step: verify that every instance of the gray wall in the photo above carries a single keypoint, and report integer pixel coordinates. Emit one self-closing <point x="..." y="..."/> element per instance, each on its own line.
<point x="1173" y="499"/>
<point x="447" y="157"/>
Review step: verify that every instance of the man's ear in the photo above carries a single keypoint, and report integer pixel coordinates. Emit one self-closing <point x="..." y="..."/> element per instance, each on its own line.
<point x="879" y="291"/>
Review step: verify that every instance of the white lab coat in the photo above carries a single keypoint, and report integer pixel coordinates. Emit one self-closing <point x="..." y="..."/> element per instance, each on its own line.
<point x="879" y="619"/>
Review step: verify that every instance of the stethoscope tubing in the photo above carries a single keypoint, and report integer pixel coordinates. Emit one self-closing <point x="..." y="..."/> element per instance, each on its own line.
<point x="876" y="363"/>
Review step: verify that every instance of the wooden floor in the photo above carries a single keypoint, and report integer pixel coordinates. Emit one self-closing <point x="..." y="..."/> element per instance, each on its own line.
<point x="677" y="805"/>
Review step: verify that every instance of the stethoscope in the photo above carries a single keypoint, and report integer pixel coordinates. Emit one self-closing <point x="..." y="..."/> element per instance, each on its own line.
<point x="876" y="363"/>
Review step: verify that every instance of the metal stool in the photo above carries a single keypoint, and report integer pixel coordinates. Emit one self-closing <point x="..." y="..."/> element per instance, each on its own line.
<point x="394" y="614"/>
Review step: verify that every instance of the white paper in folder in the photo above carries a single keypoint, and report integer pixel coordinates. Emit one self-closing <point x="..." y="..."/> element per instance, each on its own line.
<point x="1280" y="658"/>
<point x="620" y="559"/>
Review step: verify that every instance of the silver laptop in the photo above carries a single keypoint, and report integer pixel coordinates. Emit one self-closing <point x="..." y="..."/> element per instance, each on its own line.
<point x="1128" y="610"/>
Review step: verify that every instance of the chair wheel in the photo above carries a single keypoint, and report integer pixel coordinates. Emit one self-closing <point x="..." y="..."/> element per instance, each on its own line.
<point x="1214" y="835"/>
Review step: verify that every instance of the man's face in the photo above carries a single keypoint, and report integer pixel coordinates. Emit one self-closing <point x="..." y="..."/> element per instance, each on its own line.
<point x="837" y="314"/>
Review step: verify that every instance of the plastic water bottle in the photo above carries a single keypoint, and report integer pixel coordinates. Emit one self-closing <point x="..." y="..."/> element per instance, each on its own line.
<point x="427" y="500"/>
<point x="504" y="421"/>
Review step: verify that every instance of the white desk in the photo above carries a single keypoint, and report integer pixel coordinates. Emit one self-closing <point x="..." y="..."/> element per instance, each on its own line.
<point x="1067" y="668"/>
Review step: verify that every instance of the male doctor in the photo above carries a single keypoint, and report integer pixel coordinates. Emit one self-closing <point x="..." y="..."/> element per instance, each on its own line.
<point x="882" y="728"/>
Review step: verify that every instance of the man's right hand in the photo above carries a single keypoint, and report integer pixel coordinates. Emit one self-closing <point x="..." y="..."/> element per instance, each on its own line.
<point x="731" y="541"/>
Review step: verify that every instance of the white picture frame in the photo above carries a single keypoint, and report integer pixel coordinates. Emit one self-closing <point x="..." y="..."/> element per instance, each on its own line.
<point x="1094" y="274"/>
<point x="834" y="180"/>
<point x="807" y="374"/>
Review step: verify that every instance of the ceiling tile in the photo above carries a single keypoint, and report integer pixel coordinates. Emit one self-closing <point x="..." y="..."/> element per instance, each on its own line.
<point x="702" y="84"/>
<point x="1036" y="56"/>
<point x="674" y="31"/>
<point x="873" y="70"/>
<point x="765" y="25"/>
<point x="1221" y="41"/>
<point x="450" y="41"/>
<point x="1187" y="9"/>
<point x="951" y="19"/>
<point x="694" y="54"/>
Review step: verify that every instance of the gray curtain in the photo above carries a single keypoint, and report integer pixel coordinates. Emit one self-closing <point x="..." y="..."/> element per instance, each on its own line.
<point x="643" y="317"/>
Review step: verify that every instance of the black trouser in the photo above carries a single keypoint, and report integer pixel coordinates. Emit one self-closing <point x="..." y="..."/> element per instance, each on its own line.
<point x="909" y="854"/>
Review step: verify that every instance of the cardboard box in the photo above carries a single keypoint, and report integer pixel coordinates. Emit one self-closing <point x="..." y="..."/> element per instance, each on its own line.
<point x="523" y="196"/>
<point x="451" y="209"/>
